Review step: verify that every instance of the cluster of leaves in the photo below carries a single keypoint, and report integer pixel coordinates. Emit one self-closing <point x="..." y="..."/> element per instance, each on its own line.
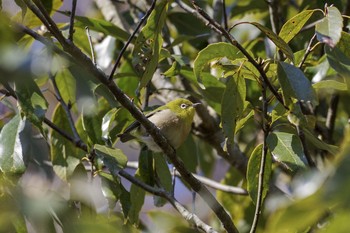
<point x="274" y="108"/>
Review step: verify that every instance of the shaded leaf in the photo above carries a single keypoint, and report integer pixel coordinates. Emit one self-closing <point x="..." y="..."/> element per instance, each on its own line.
<point x="32" y="102"/>
<point x="63" y="152"/>
<point x="329" y="29"/>
<point x="294" y="25"/>
<point x="294" y="84"/>
<point x="320" y="144"/>
<point x="137" y="198"/>
<point x="339" y="56"/>
<point x="210" y="53"/>
<point x="188" y="152"/>
<point x="287" y="150"/>
<point x="92" y="126"/>
<point x="149" y="43"/>
<point x="253" y="171"/>
<point x="232" y="105"/>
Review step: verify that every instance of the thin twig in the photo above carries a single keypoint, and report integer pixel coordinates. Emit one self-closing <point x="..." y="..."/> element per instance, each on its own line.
<point x="155" y="133"/>
<point x="266" y="129"/>
<point x="224" y="14"/>
<point x="208" y="182"/>
<point x="91" y="45"/>
<point x="217" y="27"/>
<point x="71" y="23"/>
<point x="66" y="108"/>
<point x="308" y="51"/>
<point x="122" y="51"/>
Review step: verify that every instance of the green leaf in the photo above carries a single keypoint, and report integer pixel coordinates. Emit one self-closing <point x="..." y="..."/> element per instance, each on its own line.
<point x="278" y="41"/>
<point x="232" y="105"/>
<point x="92" y="125"/>
<point x="243" y="121"/>
<point x="294" y="25"/>
<point x="14" y="146"/>
<point x="329" y="29"/>
<point x="188" y="153"/>
<point x="32" y="102"/>
<point x="146" y="166"/>
<point x="114" y="159"/>
<point x="149" y="43"/>
<point x="330" y="84"/>
<point x="287" y="150"/>
<point x="294" y="84"/>
<point x="66" y="84"/>
<point x="253" y="171"/>
<point x="164" y="176"/>
<point x="125" y="201"/>
<point x="210" y="53"/>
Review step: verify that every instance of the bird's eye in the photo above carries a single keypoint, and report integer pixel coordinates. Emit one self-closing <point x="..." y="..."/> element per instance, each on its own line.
<point x="183" y="106"/>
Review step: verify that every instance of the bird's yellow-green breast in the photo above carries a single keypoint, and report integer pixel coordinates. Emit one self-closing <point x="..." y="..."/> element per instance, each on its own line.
<point x="174" y="121"/>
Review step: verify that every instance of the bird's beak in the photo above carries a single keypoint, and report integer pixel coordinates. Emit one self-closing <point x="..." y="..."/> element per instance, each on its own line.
<point x="196" y="104"/>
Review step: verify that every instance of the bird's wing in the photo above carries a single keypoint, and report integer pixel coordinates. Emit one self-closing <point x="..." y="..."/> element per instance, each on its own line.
<point x="126" y="136"/>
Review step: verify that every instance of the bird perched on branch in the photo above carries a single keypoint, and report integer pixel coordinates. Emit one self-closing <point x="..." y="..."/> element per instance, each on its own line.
<point x="173" y="119"/>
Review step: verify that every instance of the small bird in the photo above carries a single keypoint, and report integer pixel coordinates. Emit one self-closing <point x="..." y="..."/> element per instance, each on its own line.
<point x="173" y="119"/>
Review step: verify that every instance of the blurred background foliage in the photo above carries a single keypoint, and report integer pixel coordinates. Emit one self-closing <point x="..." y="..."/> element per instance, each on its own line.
<point x="49" y="183"/>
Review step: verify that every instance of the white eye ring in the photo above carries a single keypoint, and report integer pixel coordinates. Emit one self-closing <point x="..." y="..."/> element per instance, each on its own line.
<point x="183" y="106"/>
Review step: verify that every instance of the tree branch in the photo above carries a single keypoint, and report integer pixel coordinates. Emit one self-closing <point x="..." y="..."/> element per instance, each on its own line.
<point x="71" y="23"/>
<point x="161" y="141"/>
